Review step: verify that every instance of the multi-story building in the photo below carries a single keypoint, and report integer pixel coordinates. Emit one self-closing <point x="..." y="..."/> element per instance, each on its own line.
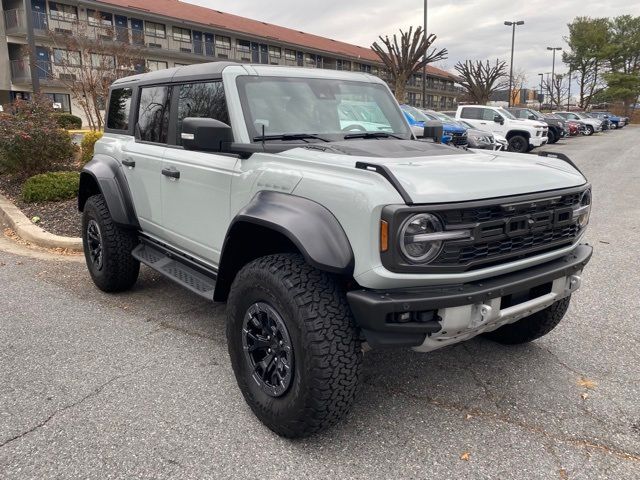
<point x="169" y="33"/>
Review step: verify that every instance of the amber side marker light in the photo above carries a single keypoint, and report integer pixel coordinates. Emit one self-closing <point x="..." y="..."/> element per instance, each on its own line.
<point x="384" y="236"/>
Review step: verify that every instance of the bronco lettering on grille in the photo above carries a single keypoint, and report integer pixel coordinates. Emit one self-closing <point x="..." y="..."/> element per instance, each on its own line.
<point x="523" y="224"/>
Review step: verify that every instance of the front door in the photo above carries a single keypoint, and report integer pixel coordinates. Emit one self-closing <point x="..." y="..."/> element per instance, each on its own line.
<point x="209" y="45"/>
<point x="264" y="53"/>
<point x="196" y="206"/>
<point x="39" y="14"/>
<point x="255" y="53"/>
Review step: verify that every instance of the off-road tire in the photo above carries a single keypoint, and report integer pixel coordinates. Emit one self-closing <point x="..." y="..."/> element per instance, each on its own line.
<point x="531" y="327"/>
<point x="119" y="270"/>
<point x="518" y="144"/>
<point x="326" y="347"/>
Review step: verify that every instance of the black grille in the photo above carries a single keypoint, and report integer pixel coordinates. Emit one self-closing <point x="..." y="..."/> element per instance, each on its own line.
<point x="459" y="138"/>
<point x="455" y="255"/>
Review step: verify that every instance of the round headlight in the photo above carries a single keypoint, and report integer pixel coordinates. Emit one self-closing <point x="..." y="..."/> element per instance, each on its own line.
<point x="415" y="248"/>
<point x="585" y="205"/>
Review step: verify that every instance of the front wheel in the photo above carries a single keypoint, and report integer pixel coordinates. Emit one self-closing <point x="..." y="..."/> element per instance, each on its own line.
<point x="518" y="144"/>
<point x="107" y="248"/>
<point x="531" y="327"/>
<point x="553" y="138"/>
<point x="294" y="347"/>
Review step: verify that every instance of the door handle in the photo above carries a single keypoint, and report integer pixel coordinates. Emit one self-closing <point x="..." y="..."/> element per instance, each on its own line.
<point x="127" y="162"/>
<point x="171" y="172"/>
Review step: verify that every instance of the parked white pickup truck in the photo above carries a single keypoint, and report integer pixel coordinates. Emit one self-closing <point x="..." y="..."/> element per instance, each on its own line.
<point x="523" y="135"/>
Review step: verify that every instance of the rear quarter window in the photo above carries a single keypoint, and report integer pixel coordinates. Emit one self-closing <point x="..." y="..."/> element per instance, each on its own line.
<point x="119" y="109"/>
<point x="472" y="113"/>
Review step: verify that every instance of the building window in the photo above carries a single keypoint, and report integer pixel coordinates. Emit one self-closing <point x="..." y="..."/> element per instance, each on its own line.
<point x="275" y="52"/>
<point x="61" y="101"/>
<point x="155" y="29"/>
<point x="102" y="19"/>
<point x="153" y="65"/>
<point x="59" y="11"/>
<point x="243" y="45"/>
<point x="66" y="58"/>
<point x="181" y="34"/>
<point x="104" y="62"/>
<point x="153" y="114"/>
<point x="223" y="42"/>
<point x="201" y="100"/>
<point x="365" y="68"/>
<point x="290" y="54"/>
<point x="343" y="65"/>
<point x="119" y="107"/>
<point x="310" y="58"/>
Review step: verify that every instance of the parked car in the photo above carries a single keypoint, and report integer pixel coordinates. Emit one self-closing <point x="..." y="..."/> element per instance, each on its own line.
<point x="606" y="122"/>
<point x="557" y="129"/>
<point x="614" y="120"/>
<point x="239" y="183"/>
<point x="575" y="128"/>
<point x="592" y="125"/>
<point x="452" y="134"/>
<point x="480" y="139"/>
<point x="451" y="128"/>
<point x="523" y="135"/>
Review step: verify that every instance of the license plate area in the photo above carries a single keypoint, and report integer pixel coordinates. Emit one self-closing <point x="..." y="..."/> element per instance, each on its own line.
<point x="525" y="295"/>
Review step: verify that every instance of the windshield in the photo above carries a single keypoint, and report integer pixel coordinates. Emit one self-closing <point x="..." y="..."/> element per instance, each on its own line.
<point x="536" y="114"/>
<point x="445" y="118"/>
<point x="506" y="113"/>
<point x="417" y="115"/>
<point x="326" y="107"/>
<point x="553" y="115"/>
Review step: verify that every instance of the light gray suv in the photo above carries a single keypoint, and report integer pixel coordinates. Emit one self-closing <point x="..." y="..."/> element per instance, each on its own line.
<point x="302" y="199"/>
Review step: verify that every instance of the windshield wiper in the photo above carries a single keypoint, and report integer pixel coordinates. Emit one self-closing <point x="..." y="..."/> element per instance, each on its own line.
<point x="371" y="135"/>
<point x="289" y="136"/>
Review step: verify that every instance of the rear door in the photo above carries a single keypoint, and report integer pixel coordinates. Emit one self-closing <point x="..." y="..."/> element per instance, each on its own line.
<point x="195" y="206"/>
<point x="473" y="115"/>
<point x="142" y="156"/>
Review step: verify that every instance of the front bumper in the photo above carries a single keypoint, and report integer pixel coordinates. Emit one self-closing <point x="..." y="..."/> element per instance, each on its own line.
<point x="538" y="141"/>
<point x="475" y="306"/>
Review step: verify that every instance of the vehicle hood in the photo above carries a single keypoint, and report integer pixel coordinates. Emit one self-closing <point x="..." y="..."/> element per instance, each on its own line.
<point x="530" y="123"/>
<point x="432" y="173"/>
<point x="452" y="128"/>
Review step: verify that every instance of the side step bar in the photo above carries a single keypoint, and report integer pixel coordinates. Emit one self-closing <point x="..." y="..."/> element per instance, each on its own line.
<point x="176" y="269"/>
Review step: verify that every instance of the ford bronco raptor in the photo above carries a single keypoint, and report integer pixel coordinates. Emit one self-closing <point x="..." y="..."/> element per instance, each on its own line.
<point x="246" y="185"/>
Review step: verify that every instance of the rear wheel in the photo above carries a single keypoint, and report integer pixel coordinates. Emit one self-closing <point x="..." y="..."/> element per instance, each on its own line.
<point x="590" y="130"/>
<point x="294" y="348"/>
<point x="107" y="248"/>
<point x="533" y="326"/>
<point x="518" y="143"/>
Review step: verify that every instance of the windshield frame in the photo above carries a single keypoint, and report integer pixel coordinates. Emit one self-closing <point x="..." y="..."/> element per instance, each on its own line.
<point x="506" y="113"/>
<point x="243" y="80"/>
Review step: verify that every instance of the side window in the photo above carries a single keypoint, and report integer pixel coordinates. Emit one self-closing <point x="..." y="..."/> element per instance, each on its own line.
<point x="119" y="108"/>
<point x="488" y="114"/>
<point x="202" y="100"/>
<point x="153" y="114"/>
<point x="471" y="113"/>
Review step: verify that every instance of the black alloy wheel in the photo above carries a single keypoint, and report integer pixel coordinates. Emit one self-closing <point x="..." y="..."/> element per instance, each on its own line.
<point x="94" y="242"/>
<point x="268" y="349"/>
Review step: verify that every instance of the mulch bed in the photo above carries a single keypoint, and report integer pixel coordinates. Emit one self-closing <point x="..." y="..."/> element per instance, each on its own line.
<point x="60" y="218"/>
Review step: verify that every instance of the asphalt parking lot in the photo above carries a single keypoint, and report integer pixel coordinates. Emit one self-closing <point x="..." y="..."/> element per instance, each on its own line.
<point x="139" y="385"/>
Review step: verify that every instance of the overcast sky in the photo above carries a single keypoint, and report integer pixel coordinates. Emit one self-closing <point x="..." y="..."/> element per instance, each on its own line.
<point x="469" y="29"/>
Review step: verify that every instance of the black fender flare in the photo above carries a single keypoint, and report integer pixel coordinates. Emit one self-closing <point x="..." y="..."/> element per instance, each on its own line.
<point x="103" y="174"/>
<point x="312" y="228"/>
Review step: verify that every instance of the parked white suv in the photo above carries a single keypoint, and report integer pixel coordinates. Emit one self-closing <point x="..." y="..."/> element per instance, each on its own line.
<point x="243" y="184"/>
<point x="523" y="135"/>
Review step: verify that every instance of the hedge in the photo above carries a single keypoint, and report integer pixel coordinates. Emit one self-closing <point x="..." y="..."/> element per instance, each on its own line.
<point x="88" y="142"/>
<point x="68" y="121"/>
<point x="51" y="187"/>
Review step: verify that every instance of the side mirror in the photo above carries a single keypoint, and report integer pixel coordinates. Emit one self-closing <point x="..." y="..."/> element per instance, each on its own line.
<point x="205" y="134"/>
<point x="433" y="129"/>
<point x="498" y="119"/>
<point x="532" y="117"/>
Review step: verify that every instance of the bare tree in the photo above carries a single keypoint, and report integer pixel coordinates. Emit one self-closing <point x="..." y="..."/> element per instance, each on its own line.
<point x="409" y="56"/>
<point x="89" y="60"/>
<point x="557" y="89"/>
<point x="480" y="79"/>
<point x="519" y="79"/>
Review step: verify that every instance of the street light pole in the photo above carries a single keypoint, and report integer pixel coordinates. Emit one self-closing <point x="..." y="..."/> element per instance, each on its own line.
<point x="424" y="69"/>
<point x="569" y="92"/>
<point x="513" y="40"/>
<point x="553" y="69"/>
<point x="541" y="92"/>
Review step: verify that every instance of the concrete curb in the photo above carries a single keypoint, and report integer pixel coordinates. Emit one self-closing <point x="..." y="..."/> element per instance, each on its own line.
<point x="28" y="231"/>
